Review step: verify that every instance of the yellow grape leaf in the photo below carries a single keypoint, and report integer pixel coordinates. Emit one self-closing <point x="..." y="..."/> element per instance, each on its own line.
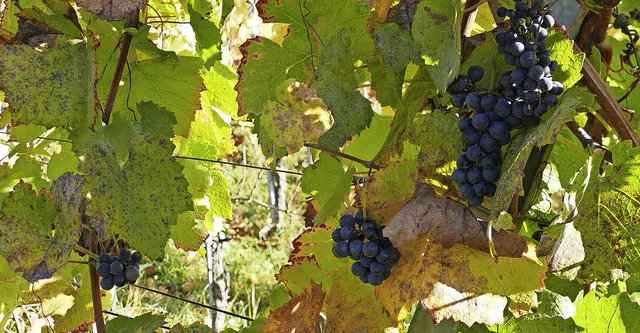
<point x="299" y="314"/>
<point x="424" y="264"/>
<point x="299" y="272"/>
<point x="298" y="117"/>
<point x="389" y="190"/>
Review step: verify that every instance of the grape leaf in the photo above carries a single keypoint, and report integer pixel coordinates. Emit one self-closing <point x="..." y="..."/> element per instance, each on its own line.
<point x="112" y="9"/>
<point x="607" y="314"/>
<point x="26" y="132"/>
<point x="436" y="28"/>
<point x="336" y="85"/>
<point x="27" y="221"/>
<point x="427" y="271"/>
<point x="207" y="34"/>
<point x="219" y="82"/>
<point x="11" y="286"/>
<point x="299" y="314"/>
<point x="193" y="328"/>
<point x="448" y="222"/>
<point x="608" y="213"/>
<point x="298" y="116"/>
<point x="569" y="63"/>
<point x="328" y="183"/>
<point x="369" y="142"/>
<point x="517" y="153"/>
<point x="147" y="193"/>
<point x="62" y="72"/>
<point x="156" y="120"/>
<point x="258" y="78"/>
<point x="184" y="235"/>
<point x="146" y="323"/>
<point x="63" y="162"/>
<point x="567" y="156"/>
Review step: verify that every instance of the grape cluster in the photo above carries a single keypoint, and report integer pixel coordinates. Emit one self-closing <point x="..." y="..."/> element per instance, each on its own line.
<point x="526" y="93"/>
<point x="362" y="241"/>
<point x="118" y="270"/>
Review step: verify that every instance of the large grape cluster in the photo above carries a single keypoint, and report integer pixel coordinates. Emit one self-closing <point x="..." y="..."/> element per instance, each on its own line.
<point x="118" y="270"/>
<point x="374" y="255"/>
<point x="526" y="93"/>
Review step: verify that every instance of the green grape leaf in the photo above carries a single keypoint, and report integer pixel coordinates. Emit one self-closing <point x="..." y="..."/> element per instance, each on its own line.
<point x="390" y="188"/>
<point x="219" y="82"/>
<point x="369" y="142"/>
<point x="27" y="221"/>
<point x="517" y="153"/>
<point x="298" y="117"/>
<point x="26" y="132"/>
<point x="184" y="234"/>
<point x="210" y="137"/>
<point x="207" y="34"/>
<point x="569" y="63"/>
<point x="11" y="286"/>
<point x="63" y="162"/>
<point x="617" y="313"/>
<point x="147" y="193"/>
<point x="220" y="199"/>
<point x="336" y="85"/>
<point x="62" y="72"/>
<point x="491" y="61"/>
<point x="436" y="28"/>
<point x="533" y="323"/>
<point x="156" y="120"/>
<point x="328" y="183"/>
<point x="193" y="328"/>
<point x="258" y="78"/>
<point x="146" y="323"/>
<point x="567" y="156"/>
<point x="608" y="213"/>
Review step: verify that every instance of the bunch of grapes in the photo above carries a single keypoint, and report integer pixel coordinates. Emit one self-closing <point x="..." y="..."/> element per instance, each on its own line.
<point x="362" y="241"/>
<point x="526" y="94"/>
<point x="118" y="270"/>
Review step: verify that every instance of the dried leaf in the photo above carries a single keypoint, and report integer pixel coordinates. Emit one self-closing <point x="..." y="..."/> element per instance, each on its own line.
<point x="299" y="314"/>
<point x="448" y="222"/>
<point x="111" y="10"/>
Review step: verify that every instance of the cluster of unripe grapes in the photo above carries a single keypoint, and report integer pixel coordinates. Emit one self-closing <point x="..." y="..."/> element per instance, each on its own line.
<point x="526" y="93"/>
<point x="118" y="270"/>
<point x="374" y="255"/>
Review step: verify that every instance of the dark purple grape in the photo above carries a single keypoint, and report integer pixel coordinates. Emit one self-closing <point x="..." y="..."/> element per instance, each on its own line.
<point x="506" y="80"/>
<point x="104" y="268"/>
<point x="375" y="280"/>
<point x="521" y="7"/>
<point x="124" y="255"/>
<point x="347" y="220"/>
<point x="491" y="190"/>
<point x="467" y="190"/>
<point x="550" y="100"/>
<point x="463" y="162"/>
<point x="474" y="153"/>
<point x="132" y="273"/>
<point x="530" y="97"/>
<point x="105" y="257"/>
<point x="348" y="233"/>
<point x="119" y="280"/>
<point x="475" y="73"/>
<point x="459" y="176"/>
<point x="487" y="102"/>
<point x="528" y="59"/>
<point x="488" y="143"/>
<point x="475" y="200"/>
<point x="376" y="268"/>
<point x="457" y="100"/>
<point x="364" y="277"/>
<point x="107" y="282"/>
<point x="383" y="256"/>
<point x="372" y="234"/>
<point x="471" y="136"/>
<point x="553" y="65"/>
<point x="499" y="130"/>
<point x="536" y="72"/>
<point x="502" y="12"/>
<point x="370" y="249"/>
<point x="116" y="268"/>
<point x="480" y="121"/>
<point x="358" y="217"/>
<point x="546" y="84"/>
<point x="540" y="110"/>
<point x="474" y="175"/>
<point x="335" y="235"/>
<point x="355" y="248"/>
<point x="512" y="121"/>
<point x="340" y="249"/>
<point x="557" y="89"/>
<point x="473" y="100"/>
<point x="517" y="49"/>
<point x="518" y="75"/>
<point x="460" y="85"/>
<point x="548" y="21"/>
<point x="366" y="261"/>
<point x="511" y="93"/>
<point x="481" y="189"/>
<point x="357" y="269"/>
<point x="465" y="124"/>
<point x="490" y="175"/>
<point x="136" y="257"/>
<point x="489" y="161"/>
<point x="503" y="107"/>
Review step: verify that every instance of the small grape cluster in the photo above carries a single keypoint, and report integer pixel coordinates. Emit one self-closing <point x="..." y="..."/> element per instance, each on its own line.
<point x="118" y="270"/>
<point x="362" y="241"/>
<point x="526" y="94"/>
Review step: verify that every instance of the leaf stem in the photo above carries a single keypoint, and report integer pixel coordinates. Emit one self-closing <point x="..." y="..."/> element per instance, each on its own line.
<point x="82" y="250"/>
<point x="368" y="164"/>
<point x="124" y="51"/>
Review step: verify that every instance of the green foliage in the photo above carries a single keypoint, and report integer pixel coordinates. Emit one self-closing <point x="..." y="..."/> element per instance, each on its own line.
<point x="146" y="323"/>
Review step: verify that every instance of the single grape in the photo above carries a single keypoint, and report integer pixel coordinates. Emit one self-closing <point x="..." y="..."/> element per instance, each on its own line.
<point x="104" y="257"/>
<point x="119" y="280"/>
<point x="491" y="190"/>
<point x="473" y="100"/>
<point x="517" y="49"/>
<point x="457" y="100"/>
<point x="372" y="234"/>
<point x="124" y="255"/>
<point x="544" y="60"/>
<point x="386" y="275"/>
<point x="553" y="65"/>
<point x="480" y="121"/>
<point x="132" y="273"/>
<point x="355" y="248"/>
<point x="475" y="73"/>
<point x="545" y="84"/>
<point x="518" y="75"/>
<point x="107" y="282"/>
<point x="530" y="97"/>
<point x="499" y="130"/>
<point x="475" y="153"/>
<point x="501" y="12"/>
<point x="521" y="7"/>
<point x="348" y="233"/>
<point x="480" y="189"/>
<point x="540" y="110"/>
<point x="557" y="89"/>
<point x="335" y="235"/>
<point x="347" y="220"/>
<point x="489" y="161"/>
<point x="488" y="143"/>
<point x="116" y="268"/>
<point x="503" y="107"/>
<point x="359" y="217"/>
<point x="357" y="269"/>
<point x="366" y="261"/>
<point x="491" y="175"/>
<point x="136" y="257"/>
<point x="474" y="175"/>
<point x="364" y="277"/>
<point x="475" y="200"/>
<point x="463" y="162"/>
<point x="510" y="93"/>
<point x="375" y="280"/>
<point x="529" y="84"/>
<point x="103" y="269"/>
<point x="548" y="21"/>
<point x="383" y="255"/>
<point x="340" y="249"/>
<point x="370" y="249"/>
<point x="470" y="136"/>
<point x="459" y="176"/>
<point x="466" y="190"/>
<point x="487" y="102"/>
<point x="376" y="268"/>
<point x="464" y="124"/>
<point x="550" y="100"/>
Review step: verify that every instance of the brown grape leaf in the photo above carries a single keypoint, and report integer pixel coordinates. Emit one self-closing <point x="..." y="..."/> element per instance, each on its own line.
<point x="448" y="222"/>
<point x="428" y="272"/>
<point x="299" y="314"/>
<point x="111" y="10"/>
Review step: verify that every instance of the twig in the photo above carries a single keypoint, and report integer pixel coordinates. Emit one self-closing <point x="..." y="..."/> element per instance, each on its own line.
<point x="124" y="52"/>
<point x="238" y="164"/>
<point x="586" y="140"/>
<point x="604" y="97"/>
<point x="368" y="164"/>
<point x="95" y="289"/>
